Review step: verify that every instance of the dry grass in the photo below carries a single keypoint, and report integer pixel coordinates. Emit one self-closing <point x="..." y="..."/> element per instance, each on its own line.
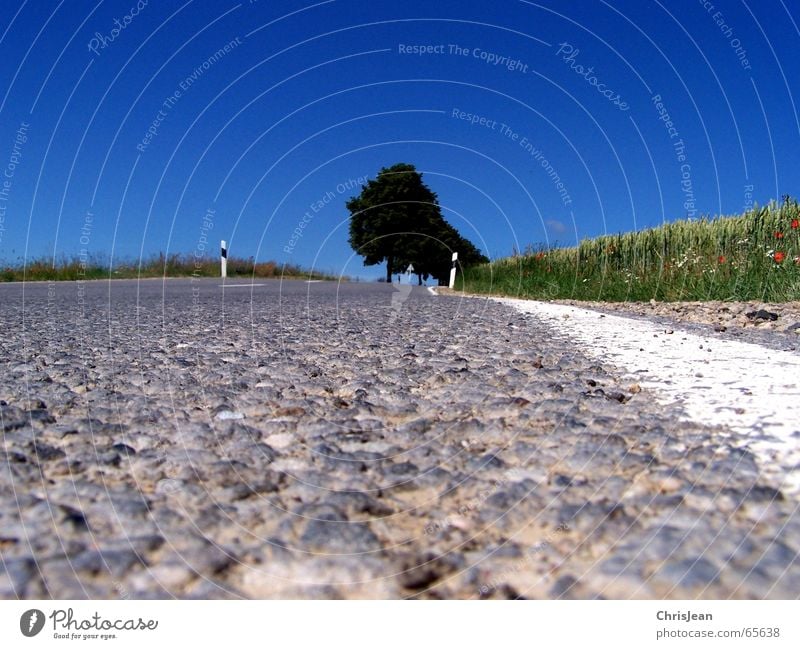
<point x="175" y="265"/>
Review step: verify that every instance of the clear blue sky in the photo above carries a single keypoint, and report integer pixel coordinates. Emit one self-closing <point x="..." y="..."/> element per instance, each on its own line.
<point x="310" y="96"/>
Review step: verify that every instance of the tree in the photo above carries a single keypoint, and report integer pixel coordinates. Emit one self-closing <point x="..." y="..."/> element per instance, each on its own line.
<point x="397" y="219"/>
<point x="433" y="253"/>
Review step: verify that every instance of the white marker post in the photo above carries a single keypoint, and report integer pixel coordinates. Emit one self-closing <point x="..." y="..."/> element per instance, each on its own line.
<point x="409" y="270"/>
<point x="453" y="271"/>
<point x="223" y="259"/>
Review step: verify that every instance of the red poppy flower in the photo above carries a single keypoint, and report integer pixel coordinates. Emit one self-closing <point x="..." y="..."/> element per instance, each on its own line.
<point x="779" y="257"/>
<point x="795" y="224"/>
<point x="779" y="235"/>
<point x="721" y="259"/>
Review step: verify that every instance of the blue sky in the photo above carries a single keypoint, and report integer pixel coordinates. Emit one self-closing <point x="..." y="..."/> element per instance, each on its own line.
<point x="123" y="124"/>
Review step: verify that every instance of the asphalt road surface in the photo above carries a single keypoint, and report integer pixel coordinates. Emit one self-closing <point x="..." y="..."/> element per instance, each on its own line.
<point x="290" y="439"/>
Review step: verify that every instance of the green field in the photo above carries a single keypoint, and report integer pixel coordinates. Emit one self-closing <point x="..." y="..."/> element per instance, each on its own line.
<point x="754" y="256"/>
<point x="86" y="268"/>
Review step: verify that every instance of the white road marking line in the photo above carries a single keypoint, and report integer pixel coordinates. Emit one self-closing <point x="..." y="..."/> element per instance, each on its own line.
<point x="313" y="281"/>
<point x="432" y="290"/>
<point x="239" y="285"/>
<point x="750" y="389"/>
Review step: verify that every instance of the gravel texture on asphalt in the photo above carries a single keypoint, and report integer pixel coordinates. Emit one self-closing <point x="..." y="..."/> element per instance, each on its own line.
<point x="293" y="440"/>
<point x="703" y="372"/>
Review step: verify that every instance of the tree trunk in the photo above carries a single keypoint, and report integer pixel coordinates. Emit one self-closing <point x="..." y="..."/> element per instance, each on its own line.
<point x="389" y="269"/>
<point x="419" y="279"/>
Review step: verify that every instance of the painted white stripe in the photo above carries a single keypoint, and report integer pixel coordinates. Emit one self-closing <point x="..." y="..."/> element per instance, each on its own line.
<point x="313" y="281"/>
<point x="432" y="290"/>
<point x="751" y="390"/>
<point x="239" y="285"/>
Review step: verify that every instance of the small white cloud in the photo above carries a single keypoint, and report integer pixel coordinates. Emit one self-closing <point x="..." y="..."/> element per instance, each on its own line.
<point x="555" y="226"/>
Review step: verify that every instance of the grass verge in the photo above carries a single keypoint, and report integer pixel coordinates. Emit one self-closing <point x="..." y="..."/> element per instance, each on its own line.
<point x="754" y="256"/>
<point x="175" y="265"/>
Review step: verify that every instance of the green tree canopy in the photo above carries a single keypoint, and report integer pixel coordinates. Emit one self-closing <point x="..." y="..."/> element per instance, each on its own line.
<point x="397" y="219"/>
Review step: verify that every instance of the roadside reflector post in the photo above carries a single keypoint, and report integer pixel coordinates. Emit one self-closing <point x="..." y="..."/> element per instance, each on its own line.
<point x="223" y="259"/>
<point x="409" y="270"/>
<point x="453" y="271"/>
